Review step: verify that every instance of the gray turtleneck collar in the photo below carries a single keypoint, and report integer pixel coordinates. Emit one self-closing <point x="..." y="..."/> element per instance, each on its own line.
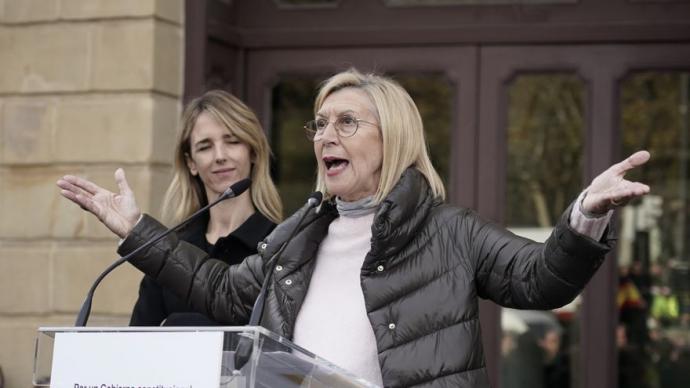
<point x="357" y="208"/>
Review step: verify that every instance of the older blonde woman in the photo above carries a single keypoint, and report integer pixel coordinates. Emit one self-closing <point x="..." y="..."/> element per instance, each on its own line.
<point x="384" y="278"/>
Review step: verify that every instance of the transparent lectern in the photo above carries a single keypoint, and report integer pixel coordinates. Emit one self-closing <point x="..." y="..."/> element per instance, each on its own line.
<point x="272" y="361"/>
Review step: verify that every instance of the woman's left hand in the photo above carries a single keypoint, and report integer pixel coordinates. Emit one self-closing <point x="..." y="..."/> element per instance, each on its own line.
<point x="610" y="189"/>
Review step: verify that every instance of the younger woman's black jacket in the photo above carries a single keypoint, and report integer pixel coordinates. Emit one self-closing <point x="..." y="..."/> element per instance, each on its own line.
<point x="158" y="305"/>
<point x="428" y="265"/>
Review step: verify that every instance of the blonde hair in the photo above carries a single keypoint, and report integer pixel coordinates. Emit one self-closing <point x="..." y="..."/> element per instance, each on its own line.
<point x="186" y="194"/>
<point x="401" y="126"/>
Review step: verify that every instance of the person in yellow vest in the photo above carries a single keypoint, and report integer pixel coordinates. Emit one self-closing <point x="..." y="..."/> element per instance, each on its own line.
<point x="665" y="306"/>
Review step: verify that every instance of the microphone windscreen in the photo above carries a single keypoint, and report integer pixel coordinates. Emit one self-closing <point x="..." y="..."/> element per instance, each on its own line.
<point x="240" y="187"/>
<point x="315" y="198"/>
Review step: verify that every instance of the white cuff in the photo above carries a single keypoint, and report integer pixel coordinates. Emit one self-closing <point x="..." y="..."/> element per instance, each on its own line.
<point x="588" y="224"/>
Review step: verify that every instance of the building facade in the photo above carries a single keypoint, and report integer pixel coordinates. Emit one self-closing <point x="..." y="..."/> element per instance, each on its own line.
<point x="85" y="87"/>
<point x="524" y="102"/>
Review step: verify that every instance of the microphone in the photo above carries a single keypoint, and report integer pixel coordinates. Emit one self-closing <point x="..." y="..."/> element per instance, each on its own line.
<point x="231" y="192"/>
<point x="244" y="347"/>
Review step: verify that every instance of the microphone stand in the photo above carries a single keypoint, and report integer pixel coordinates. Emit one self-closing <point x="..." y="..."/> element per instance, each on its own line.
<point x="232" y="191"/>
<point x="244" y="347"/>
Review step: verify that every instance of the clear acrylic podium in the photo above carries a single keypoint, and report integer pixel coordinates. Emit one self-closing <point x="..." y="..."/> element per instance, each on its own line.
<point x="273" y="361"/>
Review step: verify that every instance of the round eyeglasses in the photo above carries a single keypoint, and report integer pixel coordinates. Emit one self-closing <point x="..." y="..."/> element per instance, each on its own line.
<point x="345" y="126"/>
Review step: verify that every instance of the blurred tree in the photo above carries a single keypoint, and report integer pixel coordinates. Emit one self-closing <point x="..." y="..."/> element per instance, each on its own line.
<point x="295" y="169"/>
<point x="545" y="142"/>
<point x="652" y="119"/>
<point x="433" y="95"/>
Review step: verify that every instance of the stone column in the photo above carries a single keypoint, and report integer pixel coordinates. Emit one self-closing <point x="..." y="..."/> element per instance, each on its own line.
<point x="86" y="86"/>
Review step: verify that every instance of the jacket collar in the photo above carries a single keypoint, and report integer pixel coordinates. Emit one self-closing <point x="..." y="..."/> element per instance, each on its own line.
<point x="253" y="229"/>
<point x="249" y="233"/>
<point x="314" y="220"/>
<point x="400" y="215"/>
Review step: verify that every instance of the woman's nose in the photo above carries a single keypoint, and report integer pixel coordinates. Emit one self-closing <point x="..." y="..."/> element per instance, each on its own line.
<point x="330" y="134"/>
<point x="219" y="154"/>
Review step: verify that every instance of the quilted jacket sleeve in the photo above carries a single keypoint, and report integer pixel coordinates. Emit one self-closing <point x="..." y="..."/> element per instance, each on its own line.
<point x="212" y="287"/>
<point x="520" y="273"/>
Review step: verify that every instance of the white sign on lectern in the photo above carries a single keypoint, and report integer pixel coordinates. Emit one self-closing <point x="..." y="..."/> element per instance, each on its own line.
<point x="135" y="359"/>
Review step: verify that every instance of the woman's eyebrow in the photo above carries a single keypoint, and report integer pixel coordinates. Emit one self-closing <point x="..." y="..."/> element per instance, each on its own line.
<point x="203" y="141"/>
<point x="341" y="113"/>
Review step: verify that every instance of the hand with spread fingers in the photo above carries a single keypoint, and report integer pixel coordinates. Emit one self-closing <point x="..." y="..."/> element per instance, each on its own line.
<point x="118" y="212"/>
<point x="611" y="190"/>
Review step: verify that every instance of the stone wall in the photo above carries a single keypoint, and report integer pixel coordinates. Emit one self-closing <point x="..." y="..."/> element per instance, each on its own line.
<point x="86" y="86"/>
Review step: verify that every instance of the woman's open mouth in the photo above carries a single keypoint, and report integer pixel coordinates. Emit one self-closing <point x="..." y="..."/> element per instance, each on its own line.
<point x="334" y="165"/>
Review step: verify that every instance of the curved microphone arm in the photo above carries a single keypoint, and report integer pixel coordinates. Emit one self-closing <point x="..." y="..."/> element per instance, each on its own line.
<point x="232" y="191"/>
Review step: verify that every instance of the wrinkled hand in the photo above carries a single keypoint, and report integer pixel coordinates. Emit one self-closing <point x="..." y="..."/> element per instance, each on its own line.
<point x="118" y="212"/>
<point x="610" y="190"/>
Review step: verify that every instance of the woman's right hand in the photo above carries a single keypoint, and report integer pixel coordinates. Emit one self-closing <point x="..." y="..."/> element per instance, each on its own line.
<point x="118" y="212"/>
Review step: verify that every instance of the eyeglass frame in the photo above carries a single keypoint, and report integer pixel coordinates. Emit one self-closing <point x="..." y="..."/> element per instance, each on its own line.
<point x="312" y="134"/>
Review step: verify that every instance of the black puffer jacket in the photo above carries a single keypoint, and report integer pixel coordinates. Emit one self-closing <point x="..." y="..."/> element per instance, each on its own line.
<point x="428" y="264"/>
